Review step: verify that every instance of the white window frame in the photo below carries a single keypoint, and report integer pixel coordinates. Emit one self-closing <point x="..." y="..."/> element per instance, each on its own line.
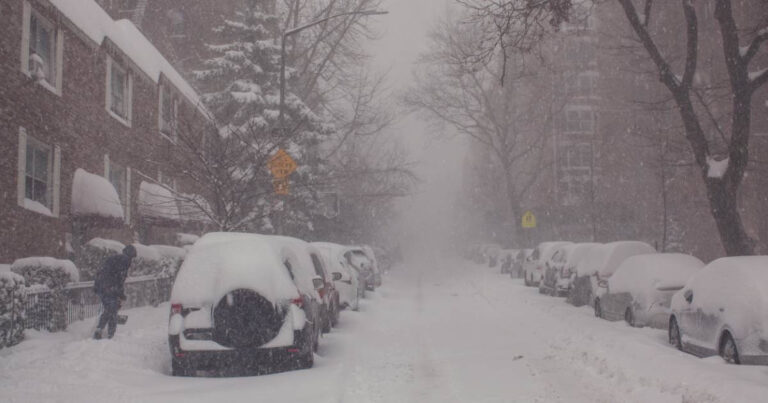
<point x="170" y="133"/>
<point x="126" y="198"/>
<point x="53" y="84"/>
<point x="580" y="111"/>
<point x="54" y="175"/>
<point x="128" y="92"/>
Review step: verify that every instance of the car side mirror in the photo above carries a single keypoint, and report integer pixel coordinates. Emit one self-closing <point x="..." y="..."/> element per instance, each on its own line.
<point x="336" y="276"/>
<point x="318" y="283"/>
<point x="688" y="295"/>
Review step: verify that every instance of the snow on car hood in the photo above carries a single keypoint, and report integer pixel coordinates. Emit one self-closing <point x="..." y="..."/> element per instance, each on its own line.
<point x="605" y="259"/>
<point x="214" y="268"/>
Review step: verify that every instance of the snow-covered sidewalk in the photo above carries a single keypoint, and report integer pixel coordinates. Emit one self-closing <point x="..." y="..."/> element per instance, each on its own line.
<point x="442" y="331"/>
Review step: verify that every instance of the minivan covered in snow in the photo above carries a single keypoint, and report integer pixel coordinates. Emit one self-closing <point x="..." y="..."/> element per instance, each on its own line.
<point x="244" y="302"/>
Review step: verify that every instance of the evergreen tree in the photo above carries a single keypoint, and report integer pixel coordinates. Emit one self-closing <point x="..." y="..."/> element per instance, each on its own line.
<point x="240" y="82"/>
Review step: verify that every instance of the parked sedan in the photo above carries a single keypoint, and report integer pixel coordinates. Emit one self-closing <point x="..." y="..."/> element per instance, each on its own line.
<point x="641" y="290"/>
<point x="723" y="310"/>
<point x="561" y="270"/>
<point x="345" y="277"/>
<point x="534" y="265"/>
<point x="599" y="264"/>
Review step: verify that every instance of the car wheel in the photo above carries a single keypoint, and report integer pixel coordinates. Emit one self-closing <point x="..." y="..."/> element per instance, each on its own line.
<point x="179" y="369"/>
<point x="598" y="309"/>
<point x="728" y="349"/>
<point x="629" y="317"/>
<point x="674" y="334"/>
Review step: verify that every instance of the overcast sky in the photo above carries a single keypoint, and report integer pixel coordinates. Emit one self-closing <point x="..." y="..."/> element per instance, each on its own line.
<point x="404" y="36"/>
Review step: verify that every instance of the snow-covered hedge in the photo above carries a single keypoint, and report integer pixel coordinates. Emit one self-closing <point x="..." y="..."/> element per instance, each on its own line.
<point x="12" y="303"/>
<point x="54" y="274"/>
<point x="155" y="260"/>
<point x="93" y="255"/>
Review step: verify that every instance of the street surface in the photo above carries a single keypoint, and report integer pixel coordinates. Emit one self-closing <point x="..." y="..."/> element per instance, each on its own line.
<point x="438" y="331"/>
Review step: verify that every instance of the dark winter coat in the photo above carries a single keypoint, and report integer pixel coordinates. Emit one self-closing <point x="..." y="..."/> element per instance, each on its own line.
<point x="111" y="278"/>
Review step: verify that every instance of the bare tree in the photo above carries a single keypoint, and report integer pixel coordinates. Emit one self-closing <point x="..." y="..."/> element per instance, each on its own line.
<point x="512" y="121"/>
<point x="741" y="46"/>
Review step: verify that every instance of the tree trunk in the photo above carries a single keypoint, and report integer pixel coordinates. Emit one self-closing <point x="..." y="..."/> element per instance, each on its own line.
<point x="725" y="211"/>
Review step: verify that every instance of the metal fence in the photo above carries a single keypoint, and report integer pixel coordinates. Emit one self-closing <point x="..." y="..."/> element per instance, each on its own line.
<point x="45" y="309"/>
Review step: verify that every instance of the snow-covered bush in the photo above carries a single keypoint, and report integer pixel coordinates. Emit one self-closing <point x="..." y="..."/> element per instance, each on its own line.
<point x="93" y="255"/>
<point x="171" y="259"/>
<point x="12" y="303"/>
<point x="54" y="274"/>
<point x="150" y="262"/>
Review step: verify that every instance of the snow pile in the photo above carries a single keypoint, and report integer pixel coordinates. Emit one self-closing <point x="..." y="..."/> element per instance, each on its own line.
<point x="96" y="24"/>
<point x="156" y="201"/>
<point x="734" y="289"/>
<point x="12" y="303"/>
<point x="52" y="272"/>
<point x="640" y="275"/>
<point x="603" y="260"/>
<point x="149" y="261"/>
<point x="220" y="263"/>
<point x="93" y="195"/>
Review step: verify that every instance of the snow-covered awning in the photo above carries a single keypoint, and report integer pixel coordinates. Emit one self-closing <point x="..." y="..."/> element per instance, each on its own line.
<point x="156" y="201"/>
<point x="93" y="195"/>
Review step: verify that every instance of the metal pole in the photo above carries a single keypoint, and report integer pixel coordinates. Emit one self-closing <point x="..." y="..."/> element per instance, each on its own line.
<point x="281" y="119"/>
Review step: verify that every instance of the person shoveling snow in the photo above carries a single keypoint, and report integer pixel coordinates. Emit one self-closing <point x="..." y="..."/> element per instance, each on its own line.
<point x="109" y="287"/>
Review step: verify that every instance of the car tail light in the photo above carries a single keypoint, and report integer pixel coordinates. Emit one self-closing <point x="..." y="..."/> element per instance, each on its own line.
<point x="298" y="302"/>
<point x="176" y="308"/>
<point x="293" y="350"/>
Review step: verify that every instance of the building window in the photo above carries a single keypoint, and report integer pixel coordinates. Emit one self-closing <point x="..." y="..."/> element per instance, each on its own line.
<point x="38" y="171"/>
<point x="579" y="121"/>
<point x="577" y="156"/>
<point x="581" y="85"/>
<point x="119" y="92"/>
<point x="168" y="113"/>
<point x="42" y="49"/>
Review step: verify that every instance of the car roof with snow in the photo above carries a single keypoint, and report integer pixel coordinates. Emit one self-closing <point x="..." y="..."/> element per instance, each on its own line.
<point x="547" y="249"/>
<point x="645" y="272"/>
<point x="220" y="263"/>
<point x="605" y="259"/>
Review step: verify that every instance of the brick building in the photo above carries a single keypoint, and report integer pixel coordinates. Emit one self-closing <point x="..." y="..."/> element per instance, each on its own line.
<point x="88" y="118"/>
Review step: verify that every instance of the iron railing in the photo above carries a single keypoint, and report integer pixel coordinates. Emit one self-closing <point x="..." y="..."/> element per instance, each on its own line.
<point x="45" y="309"/>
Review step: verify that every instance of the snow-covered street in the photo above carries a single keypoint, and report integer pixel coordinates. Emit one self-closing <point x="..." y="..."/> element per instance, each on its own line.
<point x="438" y="331"/>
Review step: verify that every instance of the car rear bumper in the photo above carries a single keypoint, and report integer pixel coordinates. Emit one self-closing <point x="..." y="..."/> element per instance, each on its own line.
<point x="252" y="358"/>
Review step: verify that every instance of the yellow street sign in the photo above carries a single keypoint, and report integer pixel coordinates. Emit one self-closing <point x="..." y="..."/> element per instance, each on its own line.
<point x="529" y="220"/>
<point x="281" y="164"/>
<point x="281" y="186"/>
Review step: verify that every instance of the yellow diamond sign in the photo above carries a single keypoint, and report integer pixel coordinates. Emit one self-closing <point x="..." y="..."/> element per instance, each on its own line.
<point x="281" y="164"/>
<point x="529" y="220"/>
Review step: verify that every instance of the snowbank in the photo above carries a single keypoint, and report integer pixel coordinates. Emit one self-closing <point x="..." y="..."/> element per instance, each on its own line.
<point x="107" y="244"/>
<point x="640" y="275"/>
<point x="157" y="201"/>
<point x="93" y="195"/>
<point x="12" y="303"/>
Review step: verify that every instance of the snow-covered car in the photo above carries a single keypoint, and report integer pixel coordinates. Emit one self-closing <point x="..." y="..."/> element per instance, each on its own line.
<point x="517" y="264"/>
<point x="491" y="254"/>
<point x="344" y="275"/>
<point x="357" y="258"/>
<point x="598" y="265"/>
<point x="507" y="260"/>
<point x="723" y="310"/>
<point x="374" y="265"/>
<point x="244" y="301"/>
<point x="560" y="269"/>
<point x="533" y="267"/>
<point x="641" y="290"/>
